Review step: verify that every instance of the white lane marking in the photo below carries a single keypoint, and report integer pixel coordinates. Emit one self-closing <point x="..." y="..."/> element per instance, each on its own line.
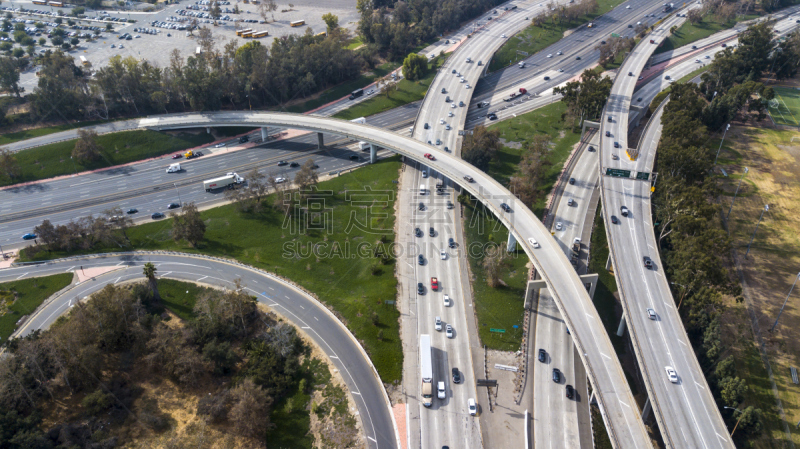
<point x="274" y="305"/>
<point x="590" y="316"/>
<point x="370" y="438"/>
<point x="120" y="263"/>
<point x="272" y="289"/>
<point x="699" y="385"/>
<point x="168" y="272"/>
<point x="255" y="281"/>
<point x="305" y="327"/>
<point x="286" y="297"/>
<point x="316" y="318"/>
<point x="302" y="307"/>
<point x="70" y="268"/>
<point x="22" y="276"/>
<point x="626" y="405"/>
<point x="609" y="358"/>
<point x="202" y="278"/>
<point x="118" y="279"/>
<point x="681" y="342"/>
<point x="333" y="357"/>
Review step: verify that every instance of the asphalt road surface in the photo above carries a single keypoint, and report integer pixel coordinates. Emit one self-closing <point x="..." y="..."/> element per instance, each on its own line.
<point x="293" y="303"/>
<point x="686" y="412"/>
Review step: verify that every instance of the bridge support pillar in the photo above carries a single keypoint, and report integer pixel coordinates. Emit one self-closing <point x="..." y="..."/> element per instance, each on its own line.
<point x="264" y="134"/>
<point x="621" y="328"/>
<point x="208" y="129"/>
<point x="646" y="410"/>
<point x="373" y="154"/>
<point x="511" y="245"/>
<point x="320" y="142"/>
<point x="592" y="399"/>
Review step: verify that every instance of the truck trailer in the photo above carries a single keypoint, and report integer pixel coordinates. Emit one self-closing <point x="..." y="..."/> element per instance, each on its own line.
<point x="426" y="369"/>
<point x="230" y="180"/>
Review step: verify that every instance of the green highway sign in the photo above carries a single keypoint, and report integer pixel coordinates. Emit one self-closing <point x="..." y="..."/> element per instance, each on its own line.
<point x="643" y="175"/>
<point x="618" y="173"/>
<point x="502" y="331"/>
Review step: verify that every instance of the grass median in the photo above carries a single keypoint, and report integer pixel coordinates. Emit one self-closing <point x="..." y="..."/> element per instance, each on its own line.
<point x="327" y="246"/>
<point x="53" y="160"/>
<point x="536" y="38"/>
<point x="692" y="32"/>
<point x="23" y="297"/>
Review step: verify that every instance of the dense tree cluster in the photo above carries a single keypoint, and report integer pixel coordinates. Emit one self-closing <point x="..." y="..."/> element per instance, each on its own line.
<point x="82" y="355"/>
<point x="481" y="147"/>
<point x="252" y="75"/>
<point x="586" y="97"/>
<point x="395" y="32"/>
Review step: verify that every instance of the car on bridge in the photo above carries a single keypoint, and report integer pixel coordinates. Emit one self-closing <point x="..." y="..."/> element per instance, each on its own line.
<point x="556" y="375"/>
<point x="570" y="392"/>
<point x="672" y="375"/>
<point x="456" y="376"/>
<point x="420" y="288"/>
<point x="447" y="301"/>
<point x="647" y="262"/>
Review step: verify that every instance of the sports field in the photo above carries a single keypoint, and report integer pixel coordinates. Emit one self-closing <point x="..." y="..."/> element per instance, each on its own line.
<point x="785" y="108"/>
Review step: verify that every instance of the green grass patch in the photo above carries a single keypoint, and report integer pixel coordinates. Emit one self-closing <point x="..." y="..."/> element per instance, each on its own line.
<point x="521" y="129"/>
<point x="499" y="307"/>
<point x="344" y="89"/>
<point x="180" y="297"/>
<point x="354" y="43"/>
<point x="407" y="92"/>
<point x="292" y="421"/>
<point x="604" y="300"/>
<point x="534" y="39"/>
<point x="785" y="109"/>
<point x="20" y="298"/>
<point x="345" y="282"/>
<point x="53" y="160"/>
<point x="6" y="138"/>
<point x="688" y="32"/>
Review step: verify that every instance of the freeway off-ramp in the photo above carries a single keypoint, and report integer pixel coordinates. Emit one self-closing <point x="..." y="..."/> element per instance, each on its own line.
<point x="292" y="302"/>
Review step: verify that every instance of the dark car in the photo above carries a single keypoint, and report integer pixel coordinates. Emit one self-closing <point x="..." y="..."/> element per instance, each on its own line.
<point x="282" y="163"/>
<point x="542" y="355"/>
<point x="492" y="116"/>
<point x="294" y="164"/>
<point x="427" y="126"/>
<point x="421" y="206"/>
<point x="556" y="375"/>
<point x="639" y="99"/>
<point x="418" y="232"/>
<point x="570" y="392"/>
<point x="132" y="210"/>
<point x="244" y="139"/>
<point x="420" y="288"/>
<point x="431" y="232"/>
<point x="608" y="133"/>
<point x="614" y="219"/>
<point x="572" y="180"/>
<point x="616" y="144"/>
<point x="456" y="376"/>
<point x="547" y="78"/>
<point x="505" y="207"/>
<point x="591" y="148"/>
<point x="647" y="262"/>
<point x="451" y="242"/>
<point x="421" y="259"/>
<point x="157" y="215"/>
<point x="129" y="37"/>
<point x="577" y="58"/>
<point x="173" y="205"/>
<point x="29" y="236"/>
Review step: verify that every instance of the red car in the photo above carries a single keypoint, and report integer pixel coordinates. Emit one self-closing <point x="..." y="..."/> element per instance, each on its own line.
<point x="430" y="156"/>
<point x="177" y="156"/>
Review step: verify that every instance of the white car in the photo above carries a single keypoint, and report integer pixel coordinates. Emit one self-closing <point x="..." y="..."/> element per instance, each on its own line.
<point x="280" y="180"/>
<point x="437" y="323"/>
<point x="424" y="174"/>
<point x="450" y="114"/>
<point x="447" y="127"/>
<point x="533" y="242"/>
<point x="447" y="302"/>
<point x="468" y="86"/>
<point x="560" y="53"/>
<point x="550" y="55"/>
<point x="463" y="80"/>
<point x="628" y="7"/>
<point x="448" y="331"/>
<point x="503" y="36"/>
<point x="472" y="407"/>
<point x="559" y="226"/>
<point x="453" y="105"/>
<point x="121" y="46"/>
<point x="443" y="254"/>
<point x="441" y="121"/>
<point x="671" y="374"/>
<point x="219" y="145"/>
<point x="697" y="61"/>
<point x="615" y="157"/>
<point x="441" y="393"/>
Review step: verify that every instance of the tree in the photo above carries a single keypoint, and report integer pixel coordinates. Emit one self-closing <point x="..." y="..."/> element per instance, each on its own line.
<point x="267" y="8"/>
<point x="86" y="148"/>
<point x="188" y="225"/>
<point x="306" y="177"/>
<point x="480" y="147"/>
<point x="9" y="167"/>
<point x="331" y="21"/>
<point x="695" y="16"/>
<point x="150" y="273"/>
<point x="251" y="409"/>
<point x="587" y="95"/>
<point x="750" y="422"/>
<point x="732" y="390"/>
<point x="415" y="67"/>
<point x="206" y="39"/>
<point x="493" y="263"/>
<point x="9" y="76"/>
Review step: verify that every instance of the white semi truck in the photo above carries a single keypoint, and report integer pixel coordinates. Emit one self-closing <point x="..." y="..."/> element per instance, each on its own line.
<point x="230" y="180"/>
<point x="426" y="369"/>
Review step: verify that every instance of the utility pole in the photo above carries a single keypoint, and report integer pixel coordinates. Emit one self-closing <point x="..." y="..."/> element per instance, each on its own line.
<point x="784" y="302"/>
<point x="723" y="139"/>
<point x="73" y="166"/>
<point x="766" y="208"/>
<point x="179" y="194"/>
<point x="737" y="421"/>
<point x="737" y="192"/>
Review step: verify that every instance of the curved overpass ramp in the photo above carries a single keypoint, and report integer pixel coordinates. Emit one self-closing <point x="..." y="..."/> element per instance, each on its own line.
<point x="686" y="412"/>
<point x="617" y="404"/>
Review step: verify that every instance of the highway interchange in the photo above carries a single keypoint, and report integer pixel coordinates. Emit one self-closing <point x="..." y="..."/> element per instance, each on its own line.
<point x="454" y="176"/>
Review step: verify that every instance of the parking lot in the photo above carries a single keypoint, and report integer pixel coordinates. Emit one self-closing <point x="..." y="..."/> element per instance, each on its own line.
<point x="158" y="33"/>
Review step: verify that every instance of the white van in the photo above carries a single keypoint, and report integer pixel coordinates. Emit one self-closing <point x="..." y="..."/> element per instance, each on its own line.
<point x="441" y="392"/>
<point x="422" y="189"/>
<point x="174" y="168"/>
<point x="364" y="146"/>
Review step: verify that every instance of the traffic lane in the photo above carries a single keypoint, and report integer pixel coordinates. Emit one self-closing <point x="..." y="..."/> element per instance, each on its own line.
<point x="302" y="310"/>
